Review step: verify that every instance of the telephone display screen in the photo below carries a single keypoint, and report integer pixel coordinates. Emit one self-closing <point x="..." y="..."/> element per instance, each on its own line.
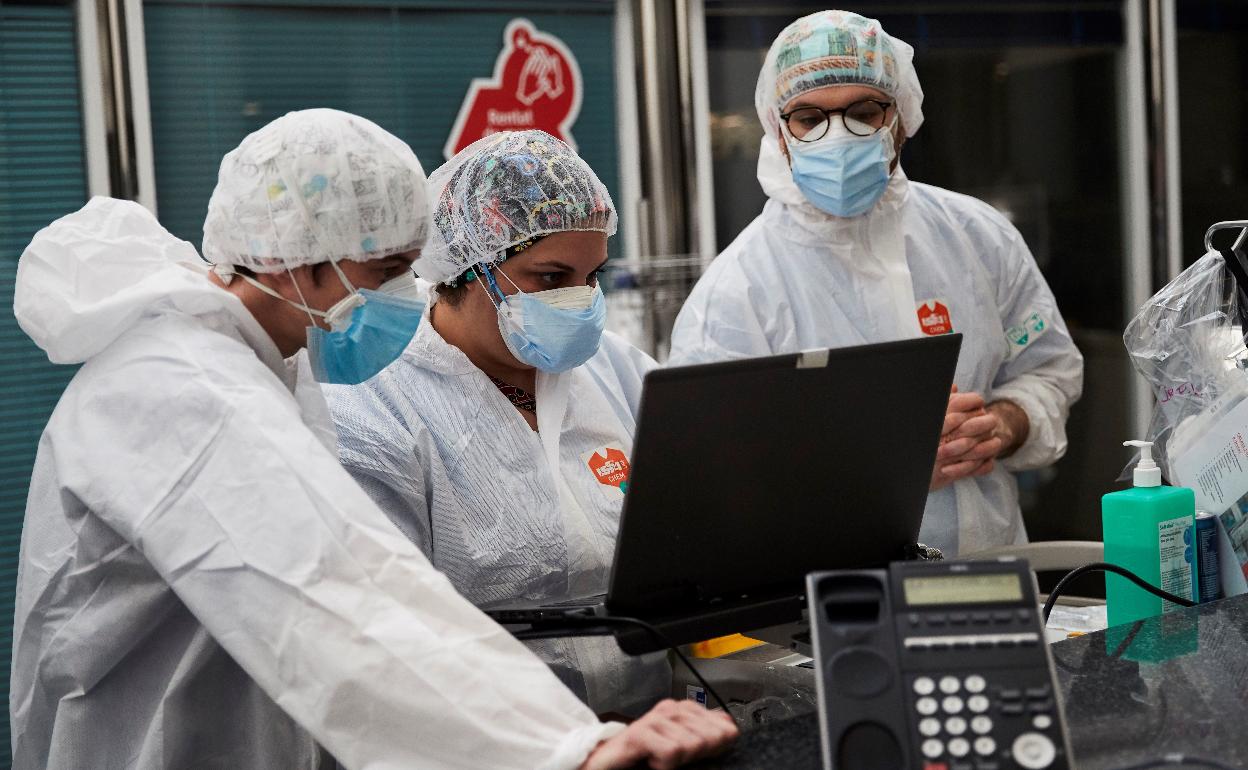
<point x="963" y="589"/>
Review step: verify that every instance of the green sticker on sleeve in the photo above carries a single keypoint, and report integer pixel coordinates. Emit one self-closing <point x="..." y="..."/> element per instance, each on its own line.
<point x="1022" y="335"/>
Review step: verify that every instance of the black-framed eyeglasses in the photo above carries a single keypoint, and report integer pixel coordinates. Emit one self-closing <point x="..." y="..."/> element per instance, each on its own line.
<point x="810" y="124"/>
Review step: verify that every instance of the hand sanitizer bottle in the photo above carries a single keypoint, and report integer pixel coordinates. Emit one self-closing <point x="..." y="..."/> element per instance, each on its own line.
<point x="1150" y="530"/>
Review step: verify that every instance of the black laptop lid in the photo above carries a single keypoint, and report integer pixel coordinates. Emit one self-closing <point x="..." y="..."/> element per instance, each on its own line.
<point x="749" y="474"/>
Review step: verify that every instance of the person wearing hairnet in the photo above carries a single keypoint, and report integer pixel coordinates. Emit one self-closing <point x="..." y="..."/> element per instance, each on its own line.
<point x="848" y="251"/>
<point x="201" y="583"/>
<point x="498" y="441"/>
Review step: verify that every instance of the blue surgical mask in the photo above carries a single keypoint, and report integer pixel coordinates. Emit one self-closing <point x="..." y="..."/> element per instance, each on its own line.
<point x="368" y="329"/>
<point x="554" y="330"/>
<point x="379" y="329"/>
<point x="842" y="174"/>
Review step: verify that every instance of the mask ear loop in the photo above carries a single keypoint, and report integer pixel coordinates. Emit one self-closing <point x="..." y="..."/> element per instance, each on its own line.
<point x="308" y="310"/>
<point x="342" y="277"/>
<point x="312" y="312"/>
<point x="508" y="277"/>
<point x="485" y="271"/>
<point x="347" y="305"/>
<point x="488" y="294"/>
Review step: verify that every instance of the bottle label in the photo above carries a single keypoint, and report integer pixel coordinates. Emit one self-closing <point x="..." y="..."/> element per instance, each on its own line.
<point x="1174" y="540"/>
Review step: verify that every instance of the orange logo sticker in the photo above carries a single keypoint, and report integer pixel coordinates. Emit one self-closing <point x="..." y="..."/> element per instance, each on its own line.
<point x="610" y="469"/>
<point x="934" y="318"/>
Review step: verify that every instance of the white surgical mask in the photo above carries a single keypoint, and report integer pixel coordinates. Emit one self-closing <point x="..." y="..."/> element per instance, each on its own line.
<point x="404" y="286"/>
<point x="567" y="298"/>
<point x="553" y="330"/>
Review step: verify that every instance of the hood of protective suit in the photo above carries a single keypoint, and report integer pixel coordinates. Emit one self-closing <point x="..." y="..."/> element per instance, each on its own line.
<point x="91" y="275"/>
<point x="832" y="48"/>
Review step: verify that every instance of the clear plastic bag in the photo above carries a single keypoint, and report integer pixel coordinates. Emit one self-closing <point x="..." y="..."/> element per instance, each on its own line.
<point x="1188" y="342"/>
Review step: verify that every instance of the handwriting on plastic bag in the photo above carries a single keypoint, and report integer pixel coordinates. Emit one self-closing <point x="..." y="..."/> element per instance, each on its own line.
<point x="1189" y="389"/>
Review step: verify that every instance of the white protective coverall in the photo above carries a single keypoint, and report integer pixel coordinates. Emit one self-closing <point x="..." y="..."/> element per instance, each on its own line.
<point x="922" y="260"/>
<point x="201" y="583"/>
<point x="506" y="512"/>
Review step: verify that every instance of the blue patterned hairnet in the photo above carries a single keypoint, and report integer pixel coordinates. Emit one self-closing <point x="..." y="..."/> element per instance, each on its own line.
<point x="833" y="48"/>
<point x="505" y="189"/>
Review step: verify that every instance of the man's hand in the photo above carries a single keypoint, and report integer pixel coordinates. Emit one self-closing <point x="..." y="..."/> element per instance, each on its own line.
<point x="969" y="444"/>
<point x="1013" y="425"/>
<point x="667" y="736"/>
<point x="975" y="434"/>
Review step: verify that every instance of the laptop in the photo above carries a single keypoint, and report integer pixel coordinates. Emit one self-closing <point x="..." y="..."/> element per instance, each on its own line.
<point x="748" y="474"/>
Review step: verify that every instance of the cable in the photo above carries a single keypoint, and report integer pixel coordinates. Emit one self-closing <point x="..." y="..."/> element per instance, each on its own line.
<point x="1170" y="760"/>
<point x="1101" y="566"/>
<point x="1087" y="667"/>
<point x="572" y="619"/>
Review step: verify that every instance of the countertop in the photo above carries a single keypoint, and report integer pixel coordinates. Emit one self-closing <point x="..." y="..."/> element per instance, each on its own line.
<point x="1176" y="683"/>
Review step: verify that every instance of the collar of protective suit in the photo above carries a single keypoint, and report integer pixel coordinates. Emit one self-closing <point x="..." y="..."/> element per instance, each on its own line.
<point x="589" y="554"/>
<point x="91" y="276"/>
<point x="872" y="244"/>
<point x="433" y="352"/>
<point x="430" y="349"/>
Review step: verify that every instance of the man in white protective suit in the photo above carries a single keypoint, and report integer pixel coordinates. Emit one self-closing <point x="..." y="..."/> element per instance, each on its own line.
<point x="201" y="583"/>
<point x="848" y="251"/>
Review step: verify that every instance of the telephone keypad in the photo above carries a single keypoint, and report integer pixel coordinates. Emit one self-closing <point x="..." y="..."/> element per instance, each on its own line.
<point x="957" y="729"/>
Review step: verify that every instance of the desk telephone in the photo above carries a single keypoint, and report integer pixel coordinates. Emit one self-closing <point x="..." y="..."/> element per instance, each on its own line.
<point x="934" y="666"/>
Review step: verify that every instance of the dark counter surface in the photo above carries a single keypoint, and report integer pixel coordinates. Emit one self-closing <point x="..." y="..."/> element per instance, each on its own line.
<point x="1173" y="684"/>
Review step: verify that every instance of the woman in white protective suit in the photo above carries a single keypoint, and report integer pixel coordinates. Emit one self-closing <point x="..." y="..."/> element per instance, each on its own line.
<point x="484" y="440"/>
<point x="848" y="251"/>
<point x="201" y="583"/>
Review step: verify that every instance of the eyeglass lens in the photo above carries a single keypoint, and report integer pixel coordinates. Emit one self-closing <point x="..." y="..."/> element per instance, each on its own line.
<point x="863" y="118"/>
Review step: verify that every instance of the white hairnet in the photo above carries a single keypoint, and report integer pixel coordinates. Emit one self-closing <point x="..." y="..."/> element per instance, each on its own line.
<point x="313" y="186"/>
<point x="833" y="48"/>
<point x="505" y="189"/>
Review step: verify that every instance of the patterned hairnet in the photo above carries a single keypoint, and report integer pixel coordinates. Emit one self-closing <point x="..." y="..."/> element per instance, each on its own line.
<point x="505" y="189"/>
<point x="832" y="48"/>
<point x="312" y="186"/>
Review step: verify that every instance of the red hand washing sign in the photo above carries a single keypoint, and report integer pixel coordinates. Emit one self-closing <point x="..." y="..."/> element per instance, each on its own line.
<point x="536" y="84"/>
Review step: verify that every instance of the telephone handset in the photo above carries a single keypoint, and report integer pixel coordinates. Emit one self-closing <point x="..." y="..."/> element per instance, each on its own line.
<point x="934" y="666"/>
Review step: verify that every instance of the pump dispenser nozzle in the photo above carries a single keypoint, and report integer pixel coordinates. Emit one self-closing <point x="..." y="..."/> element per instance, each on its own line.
<point x="1147" y="474"/>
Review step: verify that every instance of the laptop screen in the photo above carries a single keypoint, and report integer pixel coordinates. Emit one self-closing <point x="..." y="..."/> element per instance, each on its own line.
<point x="747" y="475"/>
